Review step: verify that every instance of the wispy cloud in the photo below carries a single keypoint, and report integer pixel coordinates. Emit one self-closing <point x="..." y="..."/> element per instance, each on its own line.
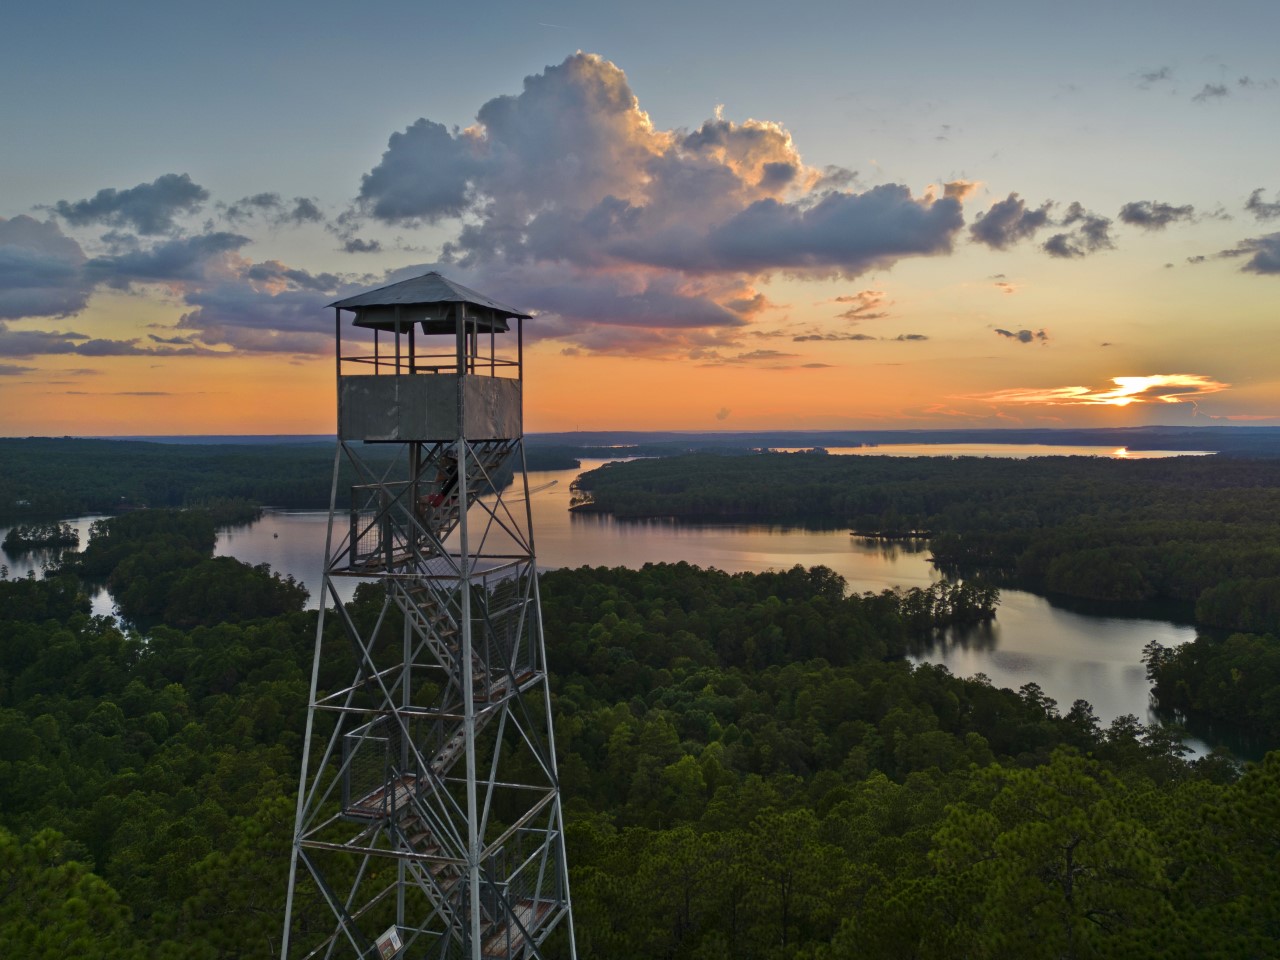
<point x="863" y="305"/>
<point x="857" y="337"/>
<point x="1040" y="336"/>
<point x="1155" y="388"/>
<point x="1212" y="91"/>
<point x="274" y="209"/>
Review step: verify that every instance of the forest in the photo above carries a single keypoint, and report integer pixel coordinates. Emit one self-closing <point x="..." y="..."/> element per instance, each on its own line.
<point x="1199" y="533"/>
<point x="55" y="478"/>
<point x="750" y="770"/>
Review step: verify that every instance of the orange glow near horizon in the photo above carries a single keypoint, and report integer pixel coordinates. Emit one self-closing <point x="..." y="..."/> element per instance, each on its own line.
<point x="1157" y="388"/>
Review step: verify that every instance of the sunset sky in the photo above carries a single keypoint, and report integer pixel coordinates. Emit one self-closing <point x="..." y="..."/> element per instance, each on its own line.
<point x="724" y="217"/>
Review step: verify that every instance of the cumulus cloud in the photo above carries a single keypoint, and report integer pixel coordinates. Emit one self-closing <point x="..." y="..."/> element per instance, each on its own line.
<point x="571" y="177"/>
<point x="1155" y="388"/>
<point x="1009" y="221"/>
<point x="1024" y="336"/>
<point x="41" y="270"/>
<point x="356" y="245"/>
<point x="842" y="233"/>
<point x="1261" y="208"/>
<point x="1154" y="215"/>
<point x="1091" y="233"/>
<point x="148" y="208"/>
<point x="1263" y="254"/>
<point x="185" y="259"/>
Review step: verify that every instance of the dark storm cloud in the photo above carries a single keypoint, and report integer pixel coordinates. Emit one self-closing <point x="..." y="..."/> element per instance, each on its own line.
<point x="1261" y="208"/>
<point x="1153" y="215"/>
<point x="41" y="270"/>
<point x="356" y="245"/>
<point x="148" y="208"/>
<point x="1024" y="336"/>
<point x="1263" y="254"/>
<point x="179" y="260"/>
<point x="1009" y="221"/>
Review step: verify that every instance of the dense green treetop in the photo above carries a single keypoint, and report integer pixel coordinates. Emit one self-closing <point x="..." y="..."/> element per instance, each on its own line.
<point x="750" y="771"/>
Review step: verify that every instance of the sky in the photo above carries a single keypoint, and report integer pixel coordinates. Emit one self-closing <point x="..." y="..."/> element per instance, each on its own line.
<point x="723" y="217"/>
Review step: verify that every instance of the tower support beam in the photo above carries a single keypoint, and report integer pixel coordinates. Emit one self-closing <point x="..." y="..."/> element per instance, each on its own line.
<point x="432" y="797"/>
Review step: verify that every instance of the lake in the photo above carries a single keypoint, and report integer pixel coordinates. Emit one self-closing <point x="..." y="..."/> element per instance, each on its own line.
<point x="1008" y="450"/>
<point x="1070" y="654"/>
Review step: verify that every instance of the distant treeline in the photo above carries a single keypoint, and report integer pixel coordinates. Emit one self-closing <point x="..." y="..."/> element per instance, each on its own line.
<point x="1234" y="441"/>
<point x="1202" y="532"/>
<point x="1180" y="529"/>
<point x="61" y="478"/>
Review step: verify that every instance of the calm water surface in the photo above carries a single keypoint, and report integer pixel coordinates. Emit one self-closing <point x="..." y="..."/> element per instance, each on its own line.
<point x="1071" y="655"/>
<point x="1018" y="451"/>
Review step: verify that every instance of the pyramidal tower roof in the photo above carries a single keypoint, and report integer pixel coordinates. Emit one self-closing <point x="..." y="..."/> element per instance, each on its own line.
<point x="429" y="290"/>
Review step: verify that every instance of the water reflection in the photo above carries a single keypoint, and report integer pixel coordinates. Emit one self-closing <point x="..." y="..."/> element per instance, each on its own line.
<point x="1071" y="653"/>
<point x="36" y="561"/>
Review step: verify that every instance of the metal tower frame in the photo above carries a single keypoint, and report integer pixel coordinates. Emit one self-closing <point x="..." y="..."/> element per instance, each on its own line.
<point x="429" y="820"/>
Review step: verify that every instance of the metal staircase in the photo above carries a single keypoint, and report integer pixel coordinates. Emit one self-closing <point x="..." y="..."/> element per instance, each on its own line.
<point x="429" y="819"/>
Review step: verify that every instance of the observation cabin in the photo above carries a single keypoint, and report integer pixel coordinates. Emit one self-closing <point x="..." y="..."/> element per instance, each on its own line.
<point x="437" y="371"/>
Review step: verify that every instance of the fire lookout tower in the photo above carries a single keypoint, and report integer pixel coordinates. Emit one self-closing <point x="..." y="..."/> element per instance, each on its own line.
<point x="429" y="820"/>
